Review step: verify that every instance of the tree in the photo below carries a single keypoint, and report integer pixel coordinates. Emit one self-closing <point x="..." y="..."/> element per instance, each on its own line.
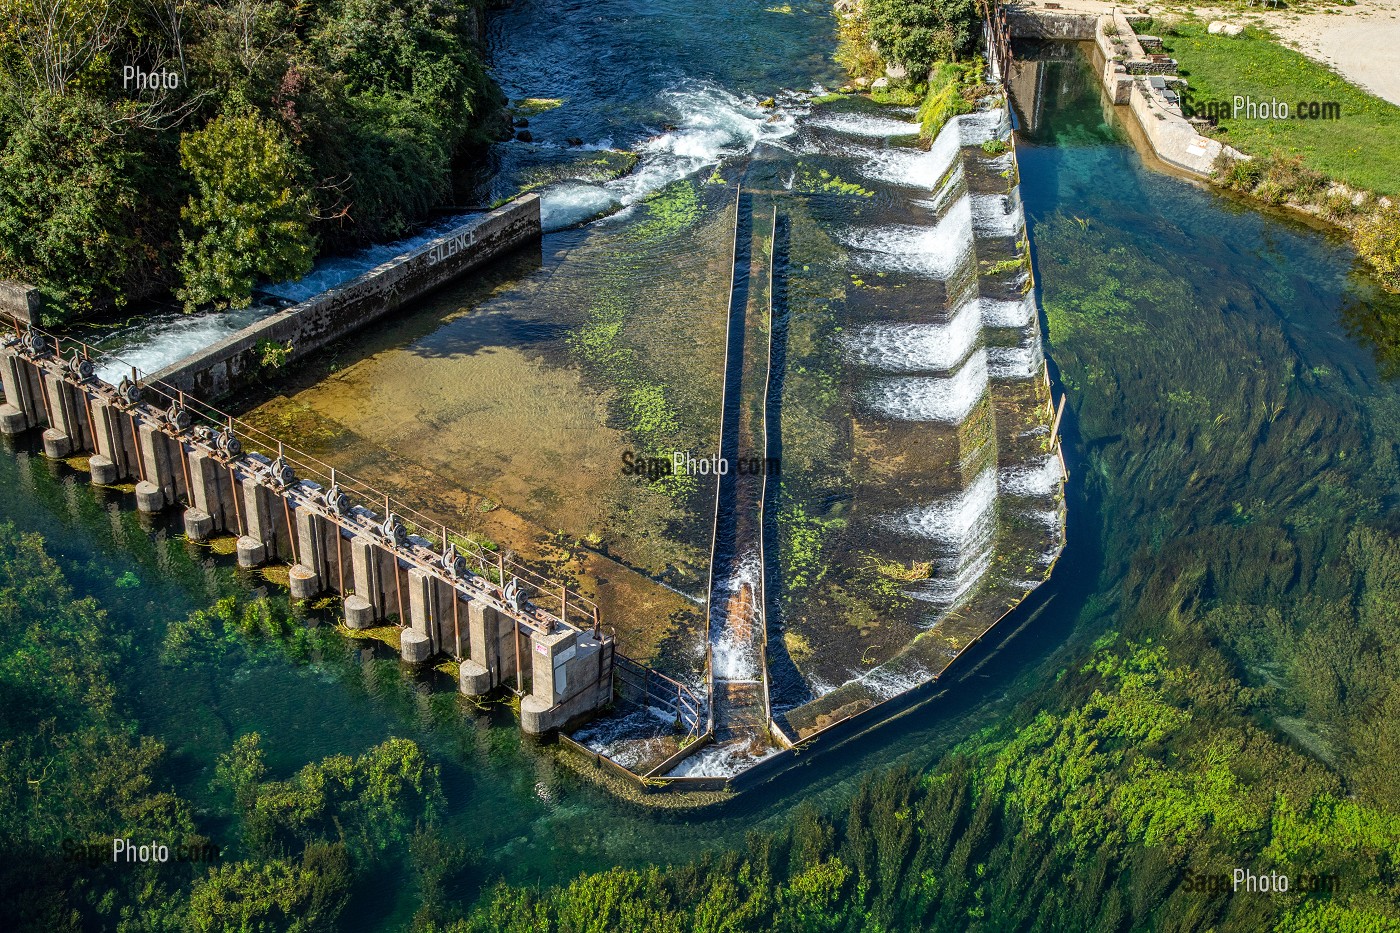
<point x="920" y="33"/>
<point x="249" y="216"/>
<point x="71" y="205"/>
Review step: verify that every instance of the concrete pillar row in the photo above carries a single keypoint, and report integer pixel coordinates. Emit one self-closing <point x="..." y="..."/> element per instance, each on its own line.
<point x="454" y="638"/>
<point x="155" y="460"/>
<point x="265" y="516"/>
<point x="107" y="424"/>
<point x="206" y="480"/>
<point x="58" y="407"/>
<point x="14" y="416"/>
<point x="72" y="402"/>
<point x="311" y="543"/>
<point x="423" y="606"/>
<point x="365" y="572"/>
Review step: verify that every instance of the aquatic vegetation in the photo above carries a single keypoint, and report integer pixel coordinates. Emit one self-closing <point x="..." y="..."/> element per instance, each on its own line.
<point x="650" y="414"/>
<point x="668" y="211"/>
<point x="596" y="167"/>
<point x="946" y="97"/>
<point x="530" y="106"/>
<point x="824" y="181"/>
<point x="804" y="540"/>
<point x="256" y="626"/>
<point x="917" y="570"/>
<point x="272" y="354"/>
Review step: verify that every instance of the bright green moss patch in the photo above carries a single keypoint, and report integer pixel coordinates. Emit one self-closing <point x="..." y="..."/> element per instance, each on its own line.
<point x="530" y="106"/>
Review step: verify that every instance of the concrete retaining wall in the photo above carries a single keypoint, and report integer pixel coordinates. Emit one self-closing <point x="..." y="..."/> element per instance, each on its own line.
<point x="223" y="367"/>
<point x="1046" y="24"/>
<point x="1172" y="137"/>
<point x="20" y="301"/>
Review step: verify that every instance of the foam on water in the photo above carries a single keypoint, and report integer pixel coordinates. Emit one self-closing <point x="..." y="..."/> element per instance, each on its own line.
<point x="1013" y="362"/>
<point x="1039" y="478"/>
<point x="952" y="185"/>
<point x="712" y="124"/>
<point x="163" y="339"/>
<point x="570" y="203"/>
<point x="721" y="761"/>
<point x="961" y="522"/>
<point x="996" y="313"/>
<point x="956" y="578"/>
<point x="931" y="398"/>
<point x="974" y="129"/>
<point x="855" y="124"/>
<point x="886" y="682"/>
<point x="336" y="270"/>
<point x="917" y="347"/>
<point x="630" y="739"/>
<point x="996" y="215"/>
<point x="735" y="653"/>
<point x="936" y="252"/>
<point x="913" y="168"/>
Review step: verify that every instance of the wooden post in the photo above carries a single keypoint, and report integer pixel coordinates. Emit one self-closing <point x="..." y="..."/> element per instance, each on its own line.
<point x="291" y="532"/>
<point x="1055" y="428"/>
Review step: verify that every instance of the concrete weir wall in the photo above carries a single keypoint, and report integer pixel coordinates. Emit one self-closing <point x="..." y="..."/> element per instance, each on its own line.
<point x="223" y="367"/>
<point x="551" y="651"/>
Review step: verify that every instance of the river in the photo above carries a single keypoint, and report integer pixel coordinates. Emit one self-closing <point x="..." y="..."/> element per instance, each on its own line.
<point x="1178" y="322"/>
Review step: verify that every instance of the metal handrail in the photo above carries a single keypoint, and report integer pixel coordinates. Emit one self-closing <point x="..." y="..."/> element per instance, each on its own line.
<point x="573" y="609"/>
<point x="668" y="692"/>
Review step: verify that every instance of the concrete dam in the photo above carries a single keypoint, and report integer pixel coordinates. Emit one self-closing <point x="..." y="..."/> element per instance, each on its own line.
<point x="959" y="505"/>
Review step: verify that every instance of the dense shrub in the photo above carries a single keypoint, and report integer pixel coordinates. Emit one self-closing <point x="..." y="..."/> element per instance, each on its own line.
<point x="372" y="107"/>
<point x="249" y="215"/>
<point x="920" y="33"/>
<point x="1378" y="242"/>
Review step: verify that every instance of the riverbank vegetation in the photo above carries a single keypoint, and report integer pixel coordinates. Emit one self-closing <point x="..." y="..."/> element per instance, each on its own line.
<point x="288" y="853"/>
<point x="127" y="131"/>
<point x="914" y="53"/>
<point x="1345" y="170"/>
<point x="1361" y="148"/>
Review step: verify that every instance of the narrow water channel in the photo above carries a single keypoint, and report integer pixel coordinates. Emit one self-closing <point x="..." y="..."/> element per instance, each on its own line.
<point x="1129" y="264"/>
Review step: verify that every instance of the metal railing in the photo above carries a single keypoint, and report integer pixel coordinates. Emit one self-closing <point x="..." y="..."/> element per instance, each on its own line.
<point x="186" y="415"/>
<point x="763" y="488"/>
<point x="644" y="687"/>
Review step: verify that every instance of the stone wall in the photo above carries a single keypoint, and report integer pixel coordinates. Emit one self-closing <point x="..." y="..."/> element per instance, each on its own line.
<point x="217" y="370"/>
<point x="1172" y="137"/>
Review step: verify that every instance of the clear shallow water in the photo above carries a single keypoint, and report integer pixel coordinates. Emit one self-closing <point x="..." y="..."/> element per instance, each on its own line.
<point x="1261" y="296"/>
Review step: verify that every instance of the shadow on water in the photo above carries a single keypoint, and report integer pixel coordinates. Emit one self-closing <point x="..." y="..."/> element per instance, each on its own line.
<point x="725" y="549"/>
<point x="787" y="686"/>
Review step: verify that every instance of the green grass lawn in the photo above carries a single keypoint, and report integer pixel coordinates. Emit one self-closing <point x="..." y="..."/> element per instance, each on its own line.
<point x="1361" y="149"/>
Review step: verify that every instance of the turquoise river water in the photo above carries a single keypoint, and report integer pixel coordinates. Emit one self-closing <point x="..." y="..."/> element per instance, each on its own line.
<point x="1131" y="266"/>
